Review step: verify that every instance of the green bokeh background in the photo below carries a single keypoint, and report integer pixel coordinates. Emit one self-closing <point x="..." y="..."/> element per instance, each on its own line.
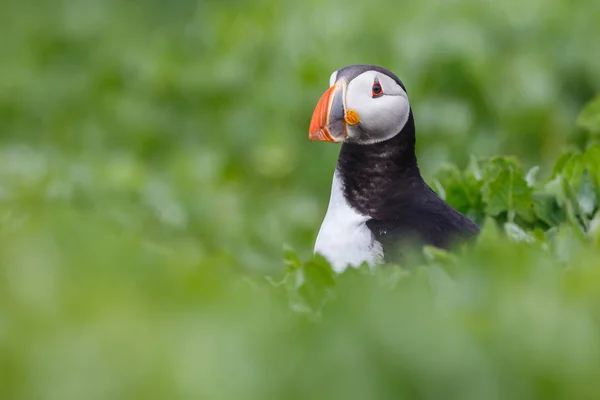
<point x="149" y="149"/>
<point x="196" y="112"/>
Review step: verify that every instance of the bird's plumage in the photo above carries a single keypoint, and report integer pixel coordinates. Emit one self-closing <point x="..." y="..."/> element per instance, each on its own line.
<point x="379" y="201"/>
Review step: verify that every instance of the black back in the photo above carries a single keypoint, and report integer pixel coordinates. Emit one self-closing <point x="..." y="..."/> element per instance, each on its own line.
<point x="383" y="181"/>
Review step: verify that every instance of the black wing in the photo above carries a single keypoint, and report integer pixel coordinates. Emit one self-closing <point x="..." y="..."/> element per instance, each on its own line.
<point x="435" y="224"/>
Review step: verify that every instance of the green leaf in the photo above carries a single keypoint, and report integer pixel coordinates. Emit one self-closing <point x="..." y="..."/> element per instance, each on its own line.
<point x="460" y="190"/>
<point x="586" y="194"/>
<point x="547" y="208"/>
<point x="589" y="118"/>
<point x="531" y="176"/>
<point x="474" y="168"/>
<point x="571" y="205"/>
<point x="505" y="190"/>
<point x="441" y="258"/>
<point x="317" y="278"/>
<point x="573" y="170"/>
<point x="516" y="233"/>
<point x="390" y="276"/>
<point x="578" y="187"/>
<point x="592" y="161"/>
<point x="435" y="254"/>
<point x="594" y="231"/>
<point x="592" y="158"/>
<point x="291" y="259"/>
<point x="560" y="163"/>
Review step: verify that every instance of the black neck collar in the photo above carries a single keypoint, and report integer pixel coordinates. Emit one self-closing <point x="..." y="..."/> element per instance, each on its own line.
<point x="381" y="177"/>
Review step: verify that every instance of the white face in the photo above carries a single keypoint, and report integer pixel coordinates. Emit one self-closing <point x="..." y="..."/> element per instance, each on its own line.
<point x="333" y="78"/>
<point x="382" y="115"/>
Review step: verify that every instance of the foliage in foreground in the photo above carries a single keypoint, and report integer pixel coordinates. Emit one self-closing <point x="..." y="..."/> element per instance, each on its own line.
<point x="153" y="157"/>
<point x="94" y="310"/>
<point x="90" y="312"/>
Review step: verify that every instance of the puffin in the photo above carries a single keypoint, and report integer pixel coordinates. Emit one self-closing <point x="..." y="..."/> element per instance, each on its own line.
<point x="379" y="205"/>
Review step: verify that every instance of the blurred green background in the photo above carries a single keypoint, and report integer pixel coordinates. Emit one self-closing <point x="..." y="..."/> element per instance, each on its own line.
<point x="190" y="117"/>
<point x="150" y="148"/>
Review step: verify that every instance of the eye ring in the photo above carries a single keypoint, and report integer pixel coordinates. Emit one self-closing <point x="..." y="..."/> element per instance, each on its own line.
<point x="376" y="90"/>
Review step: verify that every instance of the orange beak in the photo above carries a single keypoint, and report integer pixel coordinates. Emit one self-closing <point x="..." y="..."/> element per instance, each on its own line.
<point x="327" y="123"/>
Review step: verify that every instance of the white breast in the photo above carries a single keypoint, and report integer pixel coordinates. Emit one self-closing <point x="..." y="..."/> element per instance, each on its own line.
<point x="344" y="238"/>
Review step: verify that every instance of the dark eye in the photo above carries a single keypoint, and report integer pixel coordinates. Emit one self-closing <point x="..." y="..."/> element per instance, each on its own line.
<point x="377" y="90"/>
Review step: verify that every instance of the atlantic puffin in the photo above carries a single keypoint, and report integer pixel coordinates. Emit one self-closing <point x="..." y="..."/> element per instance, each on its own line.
<point x="379" y="201"/>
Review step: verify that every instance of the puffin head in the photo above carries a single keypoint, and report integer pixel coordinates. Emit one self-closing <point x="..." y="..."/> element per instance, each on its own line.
<point x="364" y="104"/>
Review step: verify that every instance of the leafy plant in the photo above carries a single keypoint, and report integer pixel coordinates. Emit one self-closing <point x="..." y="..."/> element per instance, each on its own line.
<point x="153" y="159"/>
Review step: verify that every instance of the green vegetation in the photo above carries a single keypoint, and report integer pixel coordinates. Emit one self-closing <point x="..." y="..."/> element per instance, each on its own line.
<point x="159" y="201"/>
